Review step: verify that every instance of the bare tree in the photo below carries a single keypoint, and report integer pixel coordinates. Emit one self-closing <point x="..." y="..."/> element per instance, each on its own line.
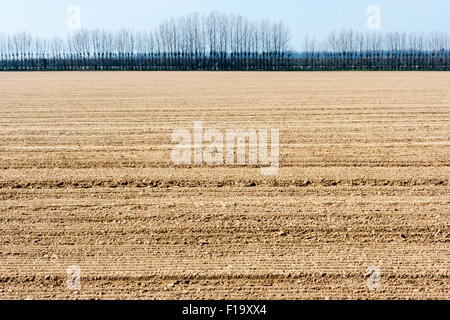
<point x="218" y="41"/>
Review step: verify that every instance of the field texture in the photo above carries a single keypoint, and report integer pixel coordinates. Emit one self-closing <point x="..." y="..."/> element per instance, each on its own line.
<point x="86" y="179"/>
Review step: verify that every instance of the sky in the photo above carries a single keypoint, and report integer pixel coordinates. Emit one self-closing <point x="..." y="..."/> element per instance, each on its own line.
<point x="313" y="17"/>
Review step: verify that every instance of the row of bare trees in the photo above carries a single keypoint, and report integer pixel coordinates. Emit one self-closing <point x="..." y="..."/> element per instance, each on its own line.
<point x="195" y="42"/>
<point x="224" y="42"/>
<point x="350" y="50"/>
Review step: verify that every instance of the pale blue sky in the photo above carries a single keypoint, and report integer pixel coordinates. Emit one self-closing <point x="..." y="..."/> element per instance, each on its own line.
<point x="48" y="17"/>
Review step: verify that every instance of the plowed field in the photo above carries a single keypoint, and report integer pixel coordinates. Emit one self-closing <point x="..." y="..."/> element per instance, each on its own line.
<point x="87" y="179"/>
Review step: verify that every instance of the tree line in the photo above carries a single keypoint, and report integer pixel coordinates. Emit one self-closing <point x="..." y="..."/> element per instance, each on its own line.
<point x="350" y="50"/>
<point x="223" y="42"/>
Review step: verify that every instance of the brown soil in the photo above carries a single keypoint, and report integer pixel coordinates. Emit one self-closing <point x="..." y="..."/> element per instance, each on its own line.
<point x="86" y="179"/>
